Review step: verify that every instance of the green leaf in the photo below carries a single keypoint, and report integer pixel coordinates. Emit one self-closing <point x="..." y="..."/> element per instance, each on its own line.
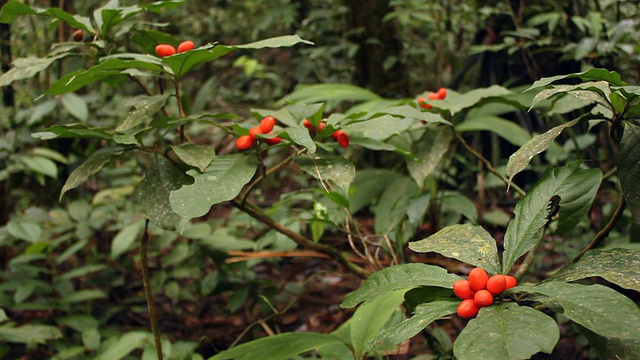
<point x="82" y="271"/>
<point x="617" y="266"/>
<point x="40" y="165"/>
<point x="76" y="106"/>
<point x="118" y="348"/>
<point x="586" y="93"/>
<point x="612" y="348"/>
<point x="519" y="160"/>
<point x="379" y="128"/>
<point x="25" y="230"/>
<point x="428" y="152"/>
<point x="72" y="131"/>
<point x="506" y="331"/>
<point x="369" y="318"/>
<point x="199" y="156"/>
<point x="125" y="238"/>
<point x="27" y="68"/>
<point x="92" y="165"/>
<point x="629" y="168"/>
<point x="145" y="107"/>
<point x="577" y="195"/>
<point x="593" y="74"/>
<point x="300" y="136"/>
<point x="221" y="181"/>
<point x="332" y="94"/>
<point x="407" y="111"/>
<point x="161" y="177"/>
<point x="278" y="347"/>
<point x="423" y="315"/>
<point x="12" y="9"/>
<point x="596" y="307"/>
<point x="456" y="102"/>
<point x="506" y="129"/>
<point x="29" y="334"/>
<point x="399" y="277"/>
<point x="468" y="243"/>
<point x="83" y="295"/>
<point x="333" y="168"/>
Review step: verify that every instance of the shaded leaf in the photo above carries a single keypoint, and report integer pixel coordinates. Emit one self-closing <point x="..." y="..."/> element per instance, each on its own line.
<point x="506" y="129"/>
<point x="332" y="94"/>
<point x="506" y="331"/>
<point x="40" y="165"/>
<point x="592" y="74"/>
<point x="468" y="243"/>
<point x="612" y="348"/>
<point x="125" y="238"/>
<point x="379" y="128"/>
<point x="428" y="152"/>
<point x="83" y="295"/>
<point x="27" y="68"/>
<point x="121" y="346"/>
<point x="29" y="334"/>
<point x="145" y="107"/>
<point x="407" y="111"/>
<point x="577" y="195"/>
<point x="72" y="131"/>
<point x="92" y="165"/>
<point x="588" y="92"/>
<point x="76" y="106"/>
<point x="199" y="156"/>
<point x="629" y="168"/>
<point x="24" y="230"/>
<point x="398" y="277"/>
<point x="278" y="347"/>
<point x="334" y="168"/>
<point x="12" y="9"/>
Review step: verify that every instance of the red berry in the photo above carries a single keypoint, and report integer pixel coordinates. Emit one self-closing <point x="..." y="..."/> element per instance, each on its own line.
<point x="321" y="126"/>
<point x="442" y="93"/>
<point x="186" y="46"/>
<point x="478" y="279"/>
<point x="274" y="140"/>
<point x="253" y="132"/>
<point x="421" y="100"/>
<point x="267" y="124"/>
<point x="341" y="137"/>
<point x="483" y="298"/>
<point x="78" y="35"/>
<point x="496" y="284"/>
<point x="244" y="142"/>
<point x="433" y="96"/>
<point x="165" y="50"/>
<point x="510" y="282"/>
<point x="306" y="123"/>
<point x="467" y="309"/>
<point x="462" y="290"/>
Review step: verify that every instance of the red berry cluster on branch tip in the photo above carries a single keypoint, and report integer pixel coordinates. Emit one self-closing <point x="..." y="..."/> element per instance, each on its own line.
<point x="479" y="290"/>
<point x="439" y="95"/>
<point x="267" y="123"/>
<point x="167" y="50"/>
<point x="340" y="136"/>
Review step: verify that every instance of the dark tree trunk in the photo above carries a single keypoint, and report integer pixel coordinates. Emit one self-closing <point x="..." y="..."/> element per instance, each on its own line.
<point x="377" y="41"/>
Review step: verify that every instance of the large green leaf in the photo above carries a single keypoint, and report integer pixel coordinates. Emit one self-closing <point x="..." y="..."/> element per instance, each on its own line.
<point x="196" y="155"/>
<point x="523" y="232"/>
<point x="27" y="68"/>
<point x="519" y="160"/>
<point x="589" y="92"/>
<point x="506" y="331"/>
<point x="618" y="266"/>
<point x="12" y="9"/>
<point x="333" y="168"/>
<point x="398" y="277"/>
<point x="125" y="238"/>
<point x="596" y="307"/>
<point x="577" y="195"/>
<point x="593" y="74"/>
<point x="428" y="152"/>
<point x="278" y="347"/>
<point x="506" y="129"/>
<point x="29" y="334"/>
<point x="92" y="165"/>
<point x="379" y="128"/>
<point x="407" y="111"/>
<point x="221" y="181"/>
<point x="468" y="243"/>
<point x="629" y="168"/>
<point x="152" y="193"/>
<point x="330" y="93"/>
<point x="456" y="102"/>
<point x="612" y="348"/>
<point x="145" y="107"/>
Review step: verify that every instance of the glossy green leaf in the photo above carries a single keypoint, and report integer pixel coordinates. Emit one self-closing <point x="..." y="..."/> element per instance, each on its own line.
<point x="506" y="331"/>
<point x="629" y="168"/>
<point x="333" y="168"/>
<point x="617" y="266"/>
<point x="506" y="129"/>
<point x="72" y="131"/>
<point x="92" y="165"/>
<point x="278" y="347"/>
<point x="398" y="277"/>
<point x="596" y="307"/>
<point x="144" y="109"/>
<point x="519" y="160"/>
<point x="468" y="243"/>
<point x="161" y="177"/>
<point x="29" y="334"/>
<point x="27" y="68"/>
<point x="593" y="74"/>
<point x="119" y="347"/>
<point x="199" y="156"/>
<point x="428" y="152"/>
<point x="221" y="181"/>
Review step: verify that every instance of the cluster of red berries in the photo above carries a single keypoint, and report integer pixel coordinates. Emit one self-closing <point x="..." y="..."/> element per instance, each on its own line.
<point x="479" y="290"/>
<point x="267" y="123"/>
<point x="439" y="95"/>
<point x="167" y="50"/>
<point x="340" y="136"/>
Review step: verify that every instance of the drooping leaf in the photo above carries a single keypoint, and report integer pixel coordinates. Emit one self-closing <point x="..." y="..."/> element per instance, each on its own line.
<point x="629" y="168"/>
<point x="506" y="129"/>
<point x="12" y="9"/>
<point x="468" y="243"/>
<point x="72" y="131"/>
<point x="221" y="181"/>
<point x="398" y="277"/>
<point x="29" y="334"/>
<point x="618" y="266"/>
<point x="145" y="107"/>
<point x="333" y="168"/>
<point x="125" y="238"/>
<point x="152" y="193"/>
<point x="332" y="94"/>
<point x="577" y="195"/>
<point x="519" y="160"/>
<point x="277" y="347"/>
<point x="506" y="331"/>
<point x="596" y="307"/>
<point x="593" y="74"/>
<point x="300" y="136"/>
<point x="196" y="155"/>
<point x="92" y="165"/>
<point x="27" y="68"/>
<point x="428" y="152"/>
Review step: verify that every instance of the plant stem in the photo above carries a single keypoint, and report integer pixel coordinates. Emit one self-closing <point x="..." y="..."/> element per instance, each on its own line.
<point x="604" y="232"/>
<point x="180" y="111"/>
<point x="256" y="213"/>
<point x="146" y="281"/>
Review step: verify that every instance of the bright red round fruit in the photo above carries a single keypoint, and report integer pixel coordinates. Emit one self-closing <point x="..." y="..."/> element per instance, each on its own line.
<point x="442" y="93"/>
<point x="510" y="282"/>
<point x="244" y="142"/>
<point x="274" y="140"/>
<point x="496" y="284"/>
<point x="467" y="309"/>
<point x="306" y="123"/>
<point x="78" y="35"/>
<point x="165" y="50"/>
<point x="462" y="290"/>
<point x="478" y="279"/>
<point x="186" y="46"/>
<point x="421" y="100"/>
<point x="341" y="137"/>
<point x="267" y="123"/>
<point x="483" y="298"/>
<point x="253" y="132"/>
<point x="433" y="96"/>
<point x="321" y="126"/>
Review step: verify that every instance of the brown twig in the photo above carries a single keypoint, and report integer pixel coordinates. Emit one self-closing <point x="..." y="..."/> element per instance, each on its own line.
<point x="146" y="281"/>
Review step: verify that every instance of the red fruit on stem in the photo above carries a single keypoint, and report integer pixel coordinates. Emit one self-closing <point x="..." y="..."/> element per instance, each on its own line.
<point x="467" y="309"/>
<point x="165" y="50"/>
<point x="244" y="142"/>
<point x="510" y="282"/>
<point x="78" y="35"/>
<point x="341" y="137"/>
<point x="267" y="123"/>
<point x="496" y="284"/>
<point x="253" y="132"/>
<point x="186" y="46"/>
<point x="483" y="298"/>
<point x="462" y="290"/>
<point x="478" y="279"/>
<point x="442" y="93"/>
<point x="306" y="123"/>
<point x="321" y="126"/>
<point x="272" y="141"/>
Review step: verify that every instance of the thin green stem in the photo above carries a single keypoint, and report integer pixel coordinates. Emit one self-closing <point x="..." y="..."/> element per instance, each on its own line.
<point x="146" y="281"/>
